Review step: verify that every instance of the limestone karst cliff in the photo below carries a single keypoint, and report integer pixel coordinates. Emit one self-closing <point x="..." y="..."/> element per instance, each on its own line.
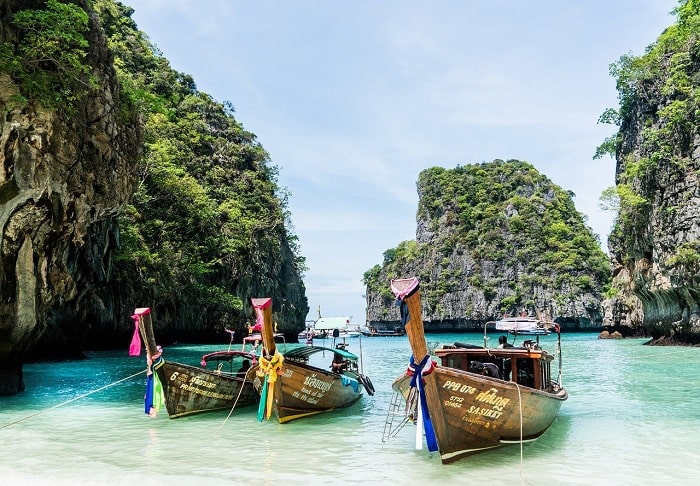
<point x="494" y="238"/>
<point x="655" y="244"/>
<point x="124" y="186"/>
<point x="66" y="173"/>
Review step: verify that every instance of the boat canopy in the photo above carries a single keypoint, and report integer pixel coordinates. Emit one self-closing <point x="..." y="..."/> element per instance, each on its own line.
<point x="306" y="351"/>
<point x="227" y="355"/>
<point x="325" y="323"/>
<point x="520" y="324"/>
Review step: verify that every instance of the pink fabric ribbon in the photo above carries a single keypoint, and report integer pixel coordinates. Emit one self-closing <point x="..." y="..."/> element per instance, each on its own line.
<point x="135" y="346"/>
<point x="401" y="287"/>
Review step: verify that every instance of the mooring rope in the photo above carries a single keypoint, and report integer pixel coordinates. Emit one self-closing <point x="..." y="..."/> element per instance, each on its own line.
<point x="520" y="408"/>
<point x="240" y="390"/>
<point x="71" y="400"/>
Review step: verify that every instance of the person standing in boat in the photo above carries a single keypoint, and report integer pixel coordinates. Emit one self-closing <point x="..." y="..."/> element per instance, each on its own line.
<point x="506" y="365"/>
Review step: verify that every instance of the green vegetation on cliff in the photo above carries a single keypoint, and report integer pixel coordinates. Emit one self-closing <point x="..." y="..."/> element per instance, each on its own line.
<point x="207" y="226"/>
<point x="659" y="112"/>
<point x="47" y="57"/>
<point x="654" y="243"/>
<point x="500" y="228"/>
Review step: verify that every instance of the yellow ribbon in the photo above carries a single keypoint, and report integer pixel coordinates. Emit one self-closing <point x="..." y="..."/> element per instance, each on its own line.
<point x="272" y="368"/>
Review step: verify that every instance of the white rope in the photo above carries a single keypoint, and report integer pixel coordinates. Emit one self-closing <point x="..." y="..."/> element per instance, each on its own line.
<point x="71" y="400"/>
<point x="520" y="408"/>
<point x="240" y="390"/>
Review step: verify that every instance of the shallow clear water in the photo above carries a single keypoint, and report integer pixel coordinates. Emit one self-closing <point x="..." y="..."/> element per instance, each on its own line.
<point x="632" y="417"/>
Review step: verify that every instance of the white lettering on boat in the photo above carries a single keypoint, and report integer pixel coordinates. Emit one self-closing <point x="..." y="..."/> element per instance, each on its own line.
<point x="493" y="406"/>
<point x="307" y="395"/>
<point x="194" y="384"/>
<point x="484" y="412"/>
<point x="491" y="397"/>
<point x="314" y="382"/>
<point x="206" y="393"/>
<point x="196" y="381"/>
<point x="459" y="387"/>
<point x="454" y="402"/>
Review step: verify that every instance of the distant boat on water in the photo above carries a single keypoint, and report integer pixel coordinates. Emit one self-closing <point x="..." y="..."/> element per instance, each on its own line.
<point x="337" y="327"/>
<point x="374" y="332"/>
<point x="524" y="325"/>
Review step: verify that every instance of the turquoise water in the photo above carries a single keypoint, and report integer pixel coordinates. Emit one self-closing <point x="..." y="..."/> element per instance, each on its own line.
<point x="633" y="417"/>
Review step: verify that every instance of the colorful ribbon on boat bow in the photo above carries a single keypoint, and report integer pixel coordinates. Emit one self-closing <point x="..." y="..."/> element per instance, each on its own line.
<point x="135" y="346"/>
<point x="154" y="397"/>
<point x="418" y="370"/>
<point x="268" y="370"/>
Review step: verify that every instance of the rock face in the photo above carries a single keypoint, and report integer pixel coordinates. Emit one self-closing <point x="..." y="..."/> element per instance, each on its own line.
<point x="609" y="335"/>
<point x="62" y="182"/>
<point x="494" y="238"/>
<point x="82" y="245"/>
<point x="655" y="245"/>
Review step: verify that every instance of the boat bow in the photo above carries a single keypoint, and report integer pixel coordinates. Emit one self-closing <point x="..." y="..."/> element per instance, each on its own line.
<point x="407" y="291"/>
<point x="271" y="360"/>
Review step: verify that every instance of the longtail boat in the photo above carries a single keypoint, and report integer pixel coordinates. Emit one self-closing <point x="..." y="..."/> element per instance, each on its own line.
<point x="291" y="388"/>
<point x="186" y="389"/>
<point x="475" y="398"/>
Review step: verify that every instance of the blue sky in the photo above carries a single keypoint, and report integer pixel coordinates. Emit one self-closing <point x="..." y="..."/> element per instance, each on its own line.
<point x="353" y="99"/>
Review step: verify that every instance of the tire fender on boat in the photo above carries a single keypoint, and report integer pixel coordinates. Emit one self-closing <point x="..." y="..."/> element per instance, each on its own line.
<point x="367" y="383"/>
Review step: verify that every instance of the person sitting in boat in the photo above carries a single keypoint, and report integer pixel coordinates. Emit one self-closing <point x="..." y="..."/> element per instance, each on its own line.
<point x="503" y="342"/>
<point x="244" y="368"/>
<point x="339" y="363"/>
<point x="486" y="369"/>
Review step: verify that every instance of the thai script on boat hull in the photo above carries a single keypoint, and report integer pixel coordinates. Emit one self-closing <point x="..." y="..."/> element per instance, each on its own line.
<point x="194" y="384"/>
<point x="314" y="382"/>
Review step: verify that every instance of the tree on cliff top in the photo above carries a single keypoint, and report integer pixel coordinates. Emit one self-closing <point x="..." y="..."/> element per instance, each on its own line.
<point x="47" y="57"/>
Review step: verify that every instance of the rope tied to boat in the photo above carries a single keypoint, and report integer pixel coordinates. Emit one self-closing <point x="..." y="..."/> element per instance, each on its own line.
<point x="268" y="370"/>
<point x="424" y="423"/>
<point x="71" y="400"/>
<point x="419" y="370"/>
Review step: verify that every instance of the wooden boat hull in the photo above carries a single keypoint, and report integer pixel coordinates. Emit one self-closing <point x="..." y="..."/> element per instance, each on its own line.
<point x="190" y="390"/>
<point x="292" y="388"/>
<point x="301" y="391"/>
<point x="472" y="413"/>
